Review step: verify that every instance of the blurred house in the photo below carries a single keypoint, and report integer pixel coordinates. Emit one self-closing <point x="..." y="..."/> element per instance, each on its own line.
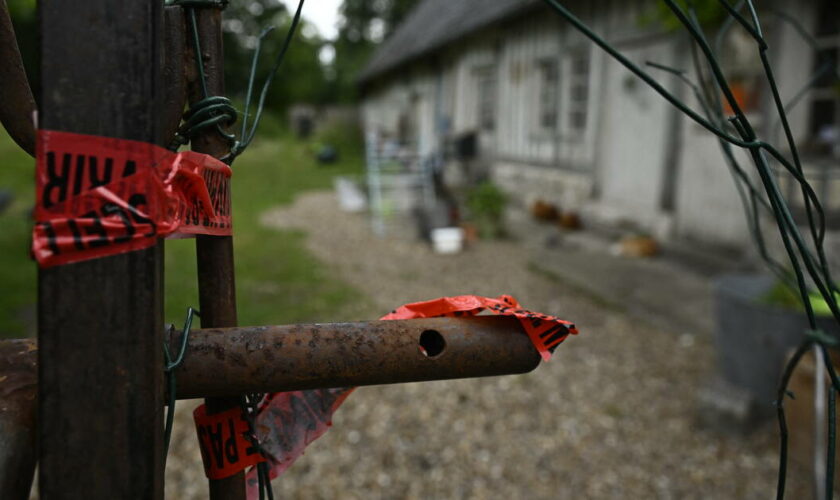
<point x="509" y="89"/>
<point x="306" y="119"/>
<point x="302" y="119"/>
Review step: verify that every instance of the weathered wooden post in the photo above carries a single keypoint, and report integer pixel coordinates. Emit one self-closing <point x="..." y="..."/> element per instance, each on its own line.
<point x="100" y="321"/>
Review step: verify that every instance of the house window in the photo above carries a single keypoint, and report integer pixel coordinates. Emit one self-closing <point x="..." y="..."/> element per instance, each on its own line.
<point x="562" y="94"/>
<point x="576" y="95"/>
<point x="549" y="95"/>
<point x="486" y="99"/>
<point x="823" y="123"/>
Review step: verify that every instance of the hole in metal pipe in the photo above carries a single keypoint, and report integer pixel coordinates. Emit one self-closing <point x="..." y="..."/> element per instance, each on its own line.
<point x="431" y="343"/>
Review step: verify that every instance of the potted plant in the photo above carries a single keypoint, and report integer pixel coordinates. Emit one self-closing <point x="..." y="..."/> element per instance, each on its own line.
<point x="759" y="321"/>
<point x="486" y="205"/>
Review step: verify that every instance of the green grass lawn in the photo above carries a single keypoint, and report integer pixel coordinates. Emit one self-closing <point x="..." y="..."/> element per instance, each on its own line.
<point x="17" y="271"/>
<point x="277" y="280"/>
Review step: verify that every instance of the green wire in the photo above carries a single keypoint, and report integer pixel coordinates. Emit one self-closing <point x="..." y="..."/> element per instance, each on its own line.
<point x="218" y="111"/>
<point x="247" y="137"/>
<point x="169" y="370"/>
<point x="795" y="246"/>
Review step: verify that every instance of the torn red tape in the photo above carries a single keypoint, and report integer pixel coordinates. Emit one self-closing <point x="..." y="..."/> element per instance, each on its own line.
<point x="100" y="196"/>
<point x="546" y="332"/>
<point x="288" y="422"/>
<point x="222" y="439"/>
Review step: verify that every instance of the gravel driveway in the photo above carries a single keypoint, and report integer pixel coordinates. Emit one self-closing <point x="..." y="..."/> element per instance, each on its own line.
<point x="612" y="415"/>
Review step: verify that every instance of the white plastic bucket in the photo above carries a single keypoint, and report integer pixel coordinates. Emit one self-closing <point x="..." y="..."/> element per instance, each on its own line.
<point x="448" y="239"/>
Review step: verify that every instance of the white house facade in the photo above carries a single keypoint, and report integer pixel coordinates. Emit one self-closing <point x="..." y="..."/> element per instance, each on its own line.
<point x="556" y="119"/>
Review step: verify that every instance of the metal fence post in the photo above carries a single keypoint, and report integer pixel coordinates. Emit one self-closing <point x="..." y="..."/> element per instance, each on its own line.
<point x="216" y="284"/>
<point x="100" y="321"/>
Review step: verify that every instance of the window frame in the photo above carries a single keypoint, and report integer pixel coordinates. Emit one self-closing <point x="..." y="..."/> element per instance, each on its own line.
<point x="545" y="87"/>
<point x="487" y="96"/>
<point x="572" y="78"/>
<point x="829" y="93"/>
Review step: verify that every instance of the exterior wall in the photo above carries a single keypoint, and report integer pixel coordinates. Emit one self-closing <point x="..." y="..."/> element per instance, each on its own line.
<point x="382" y="107"/>
<point x="708" y="207"/>
<point x="634" y="138"/>
<point x="411" y="100"/>
<point x="644" y="140"/>
<point x="478" y="55"/>
<point x="789" y="48"/>
<point x="527" y="162"/>
<point x="822" y="172"/>
<point x="638" y="160"/>
<point x="527" y="44"/>
<point x="526" y="184"/>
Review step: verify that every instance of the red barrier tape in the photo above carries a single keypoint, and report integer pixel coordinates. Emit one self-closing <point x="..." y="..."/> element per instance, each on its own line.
<point x="288" y="422"/>
<point x="100" y="196"/>
<point x="225" y="450"/>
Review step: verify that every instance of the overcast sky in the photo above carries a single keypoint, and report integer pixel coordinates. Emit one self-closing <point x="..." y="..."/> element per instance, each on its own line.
<point x="322" y="13"/>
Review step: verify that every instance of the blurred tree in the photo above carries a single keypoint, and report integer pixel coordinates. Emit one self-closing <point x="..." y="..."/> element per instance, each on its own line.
<point x="26" y="32"/>
<point x="301" y="78"/>
<point x="372" y="20"/>
<point x="709" y="14"/>
<point x="364" y="24"/>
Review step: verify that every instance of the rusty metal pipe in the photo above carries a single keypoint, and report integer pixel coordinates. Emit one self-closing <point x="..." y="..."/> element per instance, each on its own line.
<point x="232" y="361"/>
<point x="18" y="402"/>
<point x="17" y="107"/>
<point x="228" y="361"/>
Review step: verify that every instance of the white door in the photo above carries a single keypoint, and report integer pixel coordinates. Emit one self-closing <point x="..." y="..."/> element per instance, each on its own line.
<point x="634" y="134"/>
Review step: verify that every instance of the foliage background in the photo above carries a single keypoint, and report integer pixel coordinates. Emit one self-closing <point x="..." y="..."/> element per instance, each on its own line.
<point x="277" y="280"/>
<point x="305" y="76"/>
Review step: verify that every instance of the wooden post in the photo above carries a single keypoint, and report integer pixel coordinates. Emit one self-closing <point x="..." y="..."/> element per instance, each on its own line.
<point x="214" y="254"/>
<point x="100" y="363"/>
